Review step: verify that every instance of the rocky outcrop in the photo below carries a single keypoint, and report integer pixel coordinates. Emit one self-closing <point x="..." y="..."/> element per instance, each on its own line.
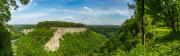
<point x="54" y="43"/>
<point x="26" y="31"/>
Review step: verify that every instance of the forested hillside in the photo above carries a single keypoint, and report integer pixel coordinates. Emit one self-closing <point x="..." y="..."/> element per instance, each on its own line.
<point x="79" y="44"/>
<point x="153" y="30"/>
<point x="106" y="30"/>
<point x="47" y="24"/>
<point x="21" y="27"/>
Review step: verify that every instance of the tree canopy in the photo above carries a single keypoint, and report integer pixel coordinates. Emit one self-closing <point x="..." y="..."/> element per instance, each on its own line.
<point x="6" y="6"/>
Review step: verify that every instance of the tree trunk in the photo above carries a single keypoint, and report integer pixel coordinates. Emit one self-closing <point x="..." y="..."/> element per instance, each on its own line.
<point x="173" y="21"/>
<point x="143" y="24"/>
<point x="177" y="24"/>
<point x="143" y="27"/>
<point x="173" y="26"/>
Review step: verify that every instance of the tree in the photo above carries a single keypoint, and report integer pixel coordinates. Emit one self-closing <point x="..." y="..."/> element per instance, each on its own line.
<point x="169" y="13"/>
<point x="177" y="14"/>
<point x="5" y="15"/>
<point x="143" y="23"/>
<point x="164" y="10"/>
<point x="139" y="8"/>
<point x="140" y="13"/>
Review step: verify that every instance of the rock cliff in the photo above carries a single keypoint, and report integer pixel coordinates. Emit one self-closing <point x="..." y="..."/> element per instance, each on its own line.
<point x="54" y="43"/>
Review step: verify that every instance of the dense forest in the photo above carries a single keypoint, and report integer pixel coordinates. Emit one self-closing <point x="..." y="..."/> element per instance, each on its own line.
<point x="106" y="30"/>
<point x="80" y="44"/>
<point x="153" y="30"/>
<point x="48" y="24"/>
<point x="20" y="27"/>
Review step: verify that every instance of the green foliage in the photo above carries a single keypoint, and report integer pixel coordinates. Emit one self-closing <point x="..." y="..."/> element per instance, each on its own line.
<point x="80" y="44"/>
<point x="33" y="43"/>
<point x="15" y="33"/>
<point x="49" y="24"/>
<point x="5" y="44"/>
<point x="5" y="16"/>
<point x="126" y="38"/>
<point x="162" y="49"/>
<point x="161" y="19"/>
<point x="21" y="27"/>
<point x="106" y="30"/>
<point x="160" y="43"/>
<point x="160" y="25"/>
<point x="6" y="6"/>
<point x="160" y="40"/>
<point x="119" y="52"/>
<point x="77" y="44"/>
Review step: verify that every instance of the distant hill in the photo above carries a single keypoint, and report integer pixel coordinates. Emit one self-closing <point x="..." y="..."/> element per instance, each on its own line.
<point x="106" y="30"/>
<point x="48" y="24"/>
<point x="23" y="26"/>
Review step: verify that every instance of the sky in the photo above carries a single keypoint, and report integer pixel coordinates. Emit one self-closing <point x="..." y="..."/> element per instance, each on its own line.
<point x="91" y="12"/>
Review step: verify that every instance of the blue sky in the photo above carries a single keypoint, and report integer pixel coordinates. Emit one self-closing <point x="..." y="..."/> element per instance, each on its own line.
<point x="93" y="12"/>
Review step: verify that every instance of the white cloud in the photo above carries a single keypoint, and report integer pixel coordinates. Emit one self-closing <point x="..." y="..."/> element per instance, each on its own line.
<point x="100" y="12"/>
<point x="97" y="16"/>
<point x="124" y="12"/>
<point x="88" y="9"/>
<point x="128" y="0"/>
<point x="53" y="9"/>
<point x="85" y="15"/>
<point x="29" y="18"/>
<point x="30" y="15"/>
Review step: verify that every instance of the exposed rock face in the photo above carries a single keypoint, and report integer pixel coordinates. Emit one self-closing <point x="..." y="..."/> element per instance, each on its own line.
<point x="54" y="43"/>
<point x="26" y="31"/>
